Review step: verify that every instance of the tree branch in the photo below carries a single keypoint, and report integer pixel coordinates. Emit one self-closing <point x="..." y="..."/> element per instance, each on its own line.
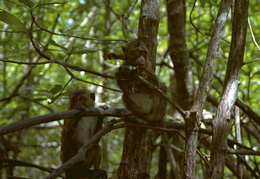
<point x="117" y="112"/>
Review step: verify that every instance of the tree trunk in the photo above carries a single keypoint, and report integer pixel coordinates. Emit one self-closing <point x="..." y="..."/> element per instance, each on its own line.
<point x="182" y="84"/>
<point x="195" y="116"/>
<point x="138" y="144"/>
<point x="137" y="154"/>
<point x="179" y="53"/>
<point x="221" y="126"/>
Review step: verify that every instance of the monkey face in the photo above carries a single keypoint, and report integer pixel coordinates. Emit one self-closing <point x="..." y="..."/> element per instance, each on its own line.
<point x="135" y="55"/>
<point x="138" y="59"/>
<point x="81" y="99"/>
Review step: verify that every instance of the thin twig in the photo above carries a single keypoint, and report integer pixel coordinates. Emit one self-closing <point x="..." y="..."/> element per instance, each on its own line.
<point x="252" y="33"/>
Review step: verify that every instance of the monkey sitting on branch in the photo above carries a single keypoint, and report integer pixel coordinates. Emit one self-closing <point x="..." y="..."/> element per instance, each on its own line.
<point x="78" y="131"/>
<point x="145" y="102"/>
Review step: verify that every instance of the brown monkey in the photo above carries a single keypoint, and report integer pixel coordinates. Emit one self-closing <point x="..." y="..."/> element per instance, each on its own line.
<point x="143" y="101"/>
<point x="138" y="97"/>
<point x="78" y="131"/>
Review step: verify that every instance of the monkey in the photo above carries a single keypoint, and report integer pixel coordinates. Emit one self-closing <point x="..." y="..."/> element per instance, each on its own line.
<point x="143" y="101"/>
<point x="78" y="131"/>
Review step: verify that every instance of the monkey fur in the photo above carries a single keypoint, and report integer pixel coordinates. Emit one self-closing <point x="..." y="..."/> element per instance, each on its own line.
<point x="144" y="102"/>
<point x="78" y="131"/>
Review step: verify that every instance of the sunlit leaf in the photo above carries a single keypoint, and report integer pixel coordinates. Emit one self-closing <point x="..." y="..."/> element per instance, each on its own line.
<point x="111" y="37"/>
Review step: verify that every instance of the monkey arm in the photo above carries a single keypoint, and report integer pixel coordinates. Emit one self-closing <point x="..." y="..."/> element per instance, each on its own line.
<point x="112" y="56"/>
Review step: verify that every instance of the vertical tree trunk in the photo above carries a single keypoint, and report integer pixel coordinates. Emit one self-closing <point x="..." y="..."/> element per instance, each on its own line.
<point x="182" y="80"/>
<point x="179" y="53"/>
<point x="148" y="27"/>
<point x="138" y="144"/>
<point x="221" y="127"/>
<point x="137" y="153"/>
<point x="195" y="116"/>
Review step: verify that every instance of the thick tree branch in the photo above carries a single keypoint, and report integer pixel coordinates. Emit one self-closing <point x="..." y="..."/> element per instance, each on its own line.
<point x="243" y="152"/>
<point x="117" y="112"/>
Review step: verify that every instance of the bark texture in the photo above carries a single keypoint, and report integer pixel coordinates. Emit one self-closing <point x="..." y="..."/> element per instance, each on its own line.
<point x="194" y="117"/>
<point x="221" y="126"/>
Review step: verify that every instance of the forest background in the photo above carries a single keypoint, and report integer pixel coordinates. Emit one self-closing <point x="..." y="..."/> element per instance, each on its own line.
<point x="51" y="48"/>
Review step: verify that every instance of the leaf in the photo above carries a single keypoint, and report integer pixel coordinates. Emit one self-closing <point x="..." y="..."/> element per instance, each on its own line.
<point x="47" y="94"/>
<point x="52" y="42"/>
<point x="83" y="51"/>
<point x="111" y="37"/>
<point x="28" y="3"/>
<point x="56" y="89"/>
<point x="11" y="20"/>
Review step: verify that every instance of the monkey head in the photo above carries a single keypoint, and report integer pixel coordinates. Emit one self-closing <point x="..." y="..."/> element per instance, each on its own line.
<point x="82" y="98"/>
<point x="135" y="54"/>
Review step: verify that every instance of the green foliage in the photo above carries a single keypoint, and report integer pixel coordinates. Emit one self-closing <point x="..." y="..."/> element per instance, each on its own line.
<point x="11" y="20"/>
<point x="56" y="89"/>
<point x="82" y="33"/>
<point x="28" y="3"/>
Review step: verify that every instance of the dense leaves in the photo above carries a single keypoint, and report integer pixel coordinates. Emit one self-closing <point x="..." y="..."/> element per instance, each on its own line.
<point x="50" y="48"/>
